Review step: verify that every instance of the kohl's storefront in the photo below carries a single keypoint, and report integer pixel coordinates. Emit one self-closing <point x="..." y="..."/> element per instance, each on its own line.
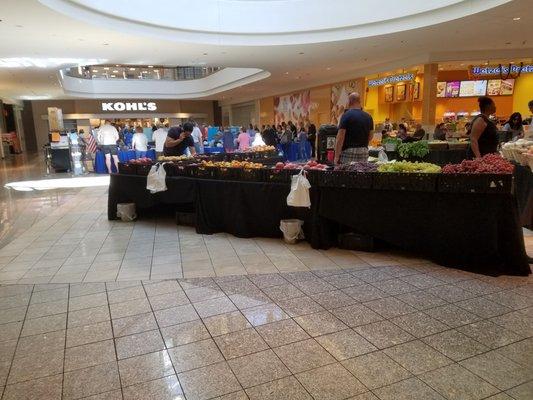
<point x="88" y="114"/>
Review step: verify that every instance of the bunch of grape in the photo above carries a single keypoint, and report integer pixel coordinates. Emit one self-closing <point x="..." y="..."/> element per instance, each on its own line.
<point x="488" y="164"/>
<point x="407" y="166"/>
<point x="359" y="166"/>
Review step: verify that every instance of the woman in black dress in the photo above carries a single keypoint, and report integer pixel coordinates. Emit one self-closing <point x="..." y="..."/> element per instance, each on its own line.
<point x="484" y="134"/>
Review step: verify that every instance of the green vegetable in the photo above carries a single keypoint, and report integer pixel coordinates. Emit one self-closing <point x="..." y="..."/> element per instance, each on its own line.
<point x="414" y="149"/>
<point x="391" y="140"/>
<point x="407" y="166"/>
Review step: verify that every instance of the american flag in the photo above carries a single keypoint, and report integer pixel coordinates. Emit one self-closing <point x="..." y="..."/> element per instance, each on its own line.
<point x="90" y="142"/>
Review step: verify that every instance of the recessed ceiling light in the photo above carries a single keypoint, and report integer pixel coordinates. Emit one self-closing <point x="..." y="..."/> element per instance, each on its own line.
<point x="132" y="69"/>
<point x="106" y="68"/>
<point x="115" y="71"/>
<point x="287" y="73"/>
<point x="516" y="19"/>
<point x="150" y="66"/>
<point x="117" y="65"/>
<point x="462" y="65"/>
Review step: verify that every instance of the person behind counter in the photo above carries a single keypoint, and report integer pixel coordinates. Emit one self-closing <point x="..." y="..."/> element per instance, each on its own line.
<point x="139" y="143"/>
<point x="420" y="133"/>
<point x="179" y="140"/>
<point x="243" y="140"/>
<point x="484" y="134"/>
<point x="355" y="131"/>
<point x="514" y="125"/>
<point x="440" y="132"/>
<point x="311" y="136"/>
<point x="159" y="136"/>
<point x="270" y="136"/>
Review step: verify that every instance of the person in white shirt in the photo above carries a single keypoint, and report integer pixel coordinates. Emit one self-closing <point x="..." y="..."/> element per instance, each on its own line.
<point x="139" y="143"/>
<point x="159" y="136"/>
<point x="198" y="139"/>
<point x="107" y="138"/>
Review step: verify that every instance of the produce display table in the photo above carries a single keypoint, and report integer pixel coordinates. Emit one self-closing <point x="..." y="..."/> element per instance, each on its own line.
<point x="439" y="157"/>
<point x="123" y="156"/>
<point x="479" y="232"/>
<point x="523" y="184"/>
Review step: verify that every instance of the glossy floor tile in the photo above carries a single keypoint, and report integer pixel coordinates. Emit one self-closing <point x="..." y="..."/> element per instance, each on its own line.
<point x="98" y="309"/>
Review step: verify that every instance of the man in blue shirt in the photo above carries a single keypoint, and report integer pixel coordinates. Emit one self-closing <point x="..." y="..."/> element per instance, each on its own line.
<point x="355" y="131"/>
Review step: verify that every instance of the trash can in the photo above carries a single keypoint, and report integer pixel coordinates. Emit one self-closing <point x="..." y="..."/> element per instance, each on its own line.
<point x="292" y="230"/>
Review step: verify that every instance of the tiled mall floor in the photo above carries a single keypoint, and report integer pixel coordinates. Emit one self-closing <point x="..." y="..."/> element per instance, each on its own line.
<point x="93" y="309"/>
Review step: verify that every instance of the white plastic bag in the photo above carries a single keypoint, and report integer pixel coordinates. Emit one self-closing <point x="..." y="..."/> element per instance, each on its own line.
<point x="126" y="212"/>
<point x="299" y="194"/>
<point x="382" y="157"/>
<point x="155" y="182"/>
<point x="292" y="230"/>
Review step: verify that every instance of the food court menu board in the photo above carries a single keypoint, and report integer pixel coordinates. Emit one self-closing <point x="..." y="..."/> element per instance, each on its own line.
<point x="441" y="89"/>
<point x="452" y="89"/>
<point x="500" y="87"/>
<point x="473" y="88"/>
<point x="492" y="87"/>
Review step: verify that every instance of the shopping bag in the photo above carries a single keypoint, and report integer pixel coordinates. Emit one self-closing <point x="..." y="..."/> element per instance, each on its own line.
<point x="292" y="230"/>
<point x="126" y="212"/>
<point x="155" y="181"/>
<point x="299" y="194"/>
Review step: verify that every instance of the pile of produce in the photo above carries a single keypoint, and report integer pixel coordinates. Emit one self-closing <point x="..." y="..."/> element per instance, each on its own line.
<point x="260" y="149"/>
<point x="174" y="158"/>
<point x="519" y="151"/>
<point x="414" y="149"/>
<point x="309" y="165"/>
<point x="142" y="161"/>
<point x="231" y="164"/>
<point x="408" y="167"/>
<point x="488" y="164"/>
<point x="357" y="167"/>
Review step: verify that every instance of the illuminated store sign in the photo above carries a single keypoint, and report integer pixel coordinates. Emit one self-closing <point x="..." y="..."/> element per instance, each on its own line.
<point x="120" y="106"/>
<point x="501" y="69"/>
<point x="390" y="79"/>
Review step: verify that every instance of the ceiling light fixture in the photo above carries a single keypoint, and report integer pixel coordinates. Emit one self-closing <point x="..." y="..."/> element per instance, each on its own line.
<point x="106" y="68"/>
<point x="150" y="66"/>
<point x="287" y="73"/>
<point x="115" y="71"/>
<point x="132" y="69"/>
<point x="516" y="19"/>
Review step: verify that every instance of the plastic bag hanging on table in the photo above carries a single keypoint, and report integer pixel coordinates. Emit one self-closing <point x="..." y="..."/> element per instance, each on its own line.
<point x="299" y="194"/>
<point x="382" y="156"/>
<point x="156" y="179"/>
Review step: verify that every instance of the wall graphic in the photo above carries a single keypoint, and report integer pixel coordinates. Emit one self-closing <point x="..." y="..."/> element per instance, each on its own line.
<point x="339" y="97"/>
<point x="293" y="107"/>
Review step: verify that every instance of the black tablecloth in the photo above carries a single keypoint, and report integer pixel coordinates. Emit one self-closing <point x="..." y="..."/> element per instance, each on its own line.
<point x="439" y="157"/>
<point x="523" y="186"/>
<point x="132" y="189"/>
<point x="470" y="231"/>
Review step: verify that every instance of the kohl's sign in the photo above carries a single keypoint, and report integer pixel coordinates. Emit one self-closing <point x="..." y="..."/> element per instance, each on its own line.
<point x="501" y="69"/>
<point x="128" y="106"/>
<point x="390" y="79"/>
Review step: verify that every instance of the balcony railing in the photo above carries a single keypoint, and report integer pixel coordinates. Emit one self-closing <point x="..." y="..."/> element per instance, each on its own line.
<point x="134" y="72"/>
